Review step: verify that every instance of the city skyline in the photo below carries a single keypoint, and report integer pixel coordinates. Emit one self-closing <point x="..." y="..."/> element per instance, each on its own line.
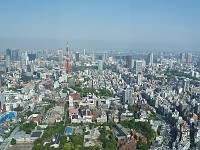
<point x="97" y="25"/>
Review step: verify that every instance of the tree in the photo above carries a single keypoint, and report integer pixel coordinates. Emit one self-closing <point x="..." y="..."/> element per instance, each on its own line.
<point x="68" y="146"/>
<point x="13" y="141"/>
<point x="39" y="128"/>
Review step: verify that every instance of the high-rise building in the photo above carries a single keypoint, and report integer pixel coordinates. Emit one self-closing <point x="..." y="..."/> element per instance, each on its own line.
<point x="151" y="59"/>
<point x="186" y="85"/>
<point x="31" y="57"/>
<point x="9" y="52"/>
<point x="128" y="62"/>
<point x="182" y="57"/>
<point x="105" y="57"/>
<point x="77" y="56"/>
<point x="127" y="95"/>
<point x="84" y="52"/>
<point x="60" y="55"/>
<point x="138" y="66"/>
<point x="24" y="61"/>
<point x="188" y="58"/>
<point x="8" y="64"/>
<point x="15" y="54"/>
<point x="100" y="65"/>
<point x="93" y="56"/>
<point x="139" y="78"/>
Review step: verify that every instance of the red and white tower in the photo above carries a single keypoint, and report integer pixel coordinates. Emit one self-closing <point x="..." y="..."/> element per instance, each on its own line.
<point x="67" y="63"/>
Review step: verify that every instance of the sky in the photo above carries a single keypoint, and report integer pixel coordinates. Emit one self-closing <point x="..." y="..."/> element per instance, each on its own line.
<point x="160" y="25"/>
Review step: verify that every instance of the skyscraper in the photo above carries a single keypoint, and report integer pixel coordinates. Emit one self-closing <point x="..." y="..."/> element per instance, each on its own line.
<point x="151" y="59"/>
<point x="77" y="56"/>
<point x="188" y="58"/>
<point x="8" y="64"/>
<point x="182" y="57"/>
<point x="9" y="52"/>
<point x="60" y="55"/>
<point x="138" y="66"/>
<point x="100" y="65"/>
<point x="15" y="55"/>
<point x="128" y="62"/>
<point x="139" y="78"/>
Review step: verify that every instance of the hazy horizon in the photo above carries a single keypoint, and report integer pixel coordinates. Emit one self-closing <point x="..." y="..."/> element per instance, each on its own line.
<point x="100" y="25"/>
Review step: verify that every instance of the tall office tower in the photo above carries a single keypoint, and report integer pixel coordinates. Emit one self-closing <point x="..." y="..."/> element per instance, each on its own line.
<point x="129" y="61"/>
<point x="105" y="57"/>
<point x="182" y="57"/>
<point x="84" y="52"/>
<point x="68" y="66"/>
<point x="44" y="55"/>
<point x="9" y="52"/>
<point x="31" y="57"/>
<point x="8" y="65"/>
<point x="161" y="57"/>
<point x="77" y="56"/>
<point x="151" y="59"/>
<point x="100" y="65"/>
<point x="186" y="85"/>
<point x="138" y="66"/>
<point x="39" y="55"/>
<point x="15" y="54"/>
<point x="139" y="78"/>
<point x="188" y="58"/>
<point x="30" y="69"/>
<point x="24" y="61"/>
<point x="127" y="95"/>
<point x="93" y="56"/>
<point x="60" y="55"/>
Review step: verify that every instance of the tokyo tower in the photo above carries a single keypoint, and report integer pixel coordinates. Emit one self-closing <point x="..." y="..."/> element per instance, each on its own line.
<point x="67" y="62"/>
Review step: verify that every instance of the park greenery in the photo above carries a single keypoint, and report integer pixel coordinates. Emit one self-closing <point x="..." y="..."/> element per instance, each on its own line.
<point x="143" y="128"/>
<point x="108" y="139"/>
<point x="13" y="141"/>
<point x="75" y="142"/>
<point x="28" y="127"/>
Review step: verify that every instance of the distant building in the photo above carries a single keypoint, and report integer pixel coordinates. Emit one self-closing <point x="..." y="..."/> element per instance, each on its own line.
<point x="60" y="55"/>
<point x="100" y="65"/>
<point x="188" y="58"/>
<point x="182" y="58"/>
<point x="31" y="57"/>
<point x="105" y="57"/>
<point x="77" y="56"/>
<point x="128" y="62"/>
<point x="138" y="66"/>
<point x="150" y="59"/>
<point x="186" y="85"/>
<point x="139" y="78"/>
<point x="15" y="55"/>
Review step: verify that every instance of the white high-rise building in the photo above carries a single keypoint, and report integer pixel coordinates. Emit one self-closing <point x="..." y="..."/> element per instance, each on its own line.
<point x="138" y="66"/>
<point x="60" y="55"/>
<point x="139" y="78"/>
<point x="8" y="65"/>
<point x="151" y="59"/>
<point x="24" y="61"/>
<point x="100" y="65"/>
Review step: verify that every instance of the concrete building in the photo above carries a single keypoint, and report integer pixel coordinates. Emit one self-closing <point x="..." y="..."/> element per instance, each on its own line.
<point x="100" y="65"/>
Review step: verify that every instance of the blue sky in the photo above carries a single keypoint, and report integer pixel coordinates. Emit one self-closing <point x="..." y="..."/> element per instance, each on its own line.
<point x="167" y="25"/>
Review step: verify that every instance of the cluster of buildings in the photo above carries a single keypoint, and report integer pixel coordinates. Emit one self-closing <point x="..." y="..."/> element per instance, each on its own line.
<point x="165" y="84"/>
